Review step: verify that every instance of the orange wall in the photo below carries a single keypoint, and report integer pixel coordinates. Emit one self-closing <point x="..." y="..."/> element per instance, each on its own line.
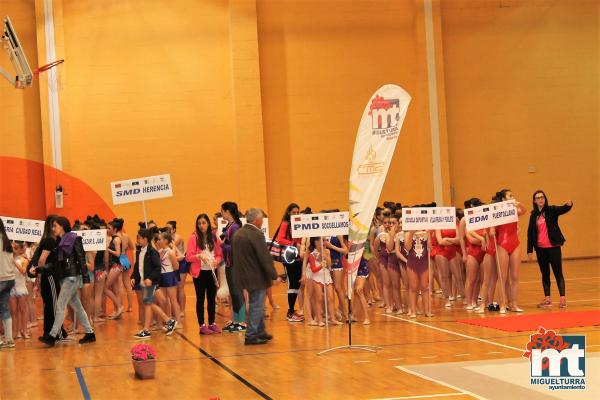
<point x="320" y="63"/>
<point x="259" y="102"/>
<point x="20" y="126"/>
<point x="522" y="91"/>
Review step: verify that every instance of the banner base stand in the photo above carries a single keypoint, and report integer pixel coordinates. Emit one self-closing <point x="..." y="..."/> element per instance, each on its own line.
<point x="350" y="346"/>
<point x="372" y="349"/>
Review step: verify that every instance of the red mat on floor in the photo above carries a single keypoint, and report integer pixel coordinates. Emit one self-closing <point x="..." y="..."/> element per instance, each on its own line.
<point x="531" y="322"/>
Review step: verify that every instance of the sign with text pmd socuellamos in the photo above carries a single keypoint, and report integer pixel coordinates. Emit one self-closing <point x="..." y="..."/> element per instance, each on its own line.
<point x="93" y="240"/>
<point x="25" y="230"/>
<point x="491" y="215"/>
<point x="140" y="189"/>
<point x="428" y="218"/>
<point x="320" y="225"/>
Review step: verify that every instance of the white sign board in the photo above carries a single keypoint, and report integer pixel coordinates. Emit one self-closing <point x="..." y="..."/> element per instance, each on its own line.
<point x="139" y="189"/>
<point x="491" y="215"/>
<point x="93" y="240"/>
<point x="320" y="225"/>
<point x="21" y="229"/>
<point x="222" y="224"/>
<point x="428" y="218"/>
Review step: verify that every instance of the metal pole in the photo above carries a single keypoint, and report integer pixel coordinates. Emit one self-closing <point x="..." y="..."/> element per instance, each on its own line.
<point x="499" y="268"/>
<point x="324" y="284"/>
<point x="145" y="216"/>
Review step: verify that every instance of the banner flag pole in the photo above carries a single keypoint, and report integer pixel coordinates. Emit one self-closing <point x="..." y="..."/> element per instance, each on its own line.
<point x="374" y="147"/>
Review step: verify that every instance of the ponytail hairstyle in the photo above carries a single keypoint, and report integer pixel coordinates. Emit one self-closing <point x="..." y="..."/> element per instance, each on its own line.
<point x="6" y="245"/>
<point x="173" y="225"/>
<point x="117" y="223"/>
<point x="232" y="208"/>
<point x="501" y="195"/>
<point x="143" y="226"/>
<point x="307" y="210"/>
<point x="167" y="236"/>
<point x="202" y="241"/>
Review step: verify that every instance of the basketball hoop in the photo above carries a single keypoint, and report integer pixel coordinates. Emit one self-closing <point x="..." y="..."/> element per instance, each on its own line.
<point x="46" y="67"/>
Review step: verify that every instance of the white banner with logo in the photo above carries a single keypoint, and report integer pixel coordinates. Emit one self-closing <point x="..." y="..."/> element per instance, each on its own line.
<point x="490" y="215"/>
<point x="320" y="225"/>
<point x="428" y="218"/>
<point x="222" y="224"/>
<point x="93" y="240"/>
<point x="139" y="189"/>
<point x="376" y="139"/>
<point x="22" y="229"/>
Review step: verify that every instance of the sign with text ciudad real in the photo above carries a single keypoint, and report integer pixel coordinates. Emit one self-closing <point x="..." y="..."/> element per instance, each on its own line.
<point x="140" y="189"/>
<point x="489" y="215"/>
<point x="22" y="229"/>
<point x="427" y="218"/>
<point x="93" y="240"/>
<point x="320" y="225"/>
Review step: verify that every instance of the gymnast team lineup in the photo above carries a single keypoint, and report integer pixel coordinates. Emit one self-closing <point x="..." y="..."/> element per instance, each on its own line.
<point x="401" y="272"/>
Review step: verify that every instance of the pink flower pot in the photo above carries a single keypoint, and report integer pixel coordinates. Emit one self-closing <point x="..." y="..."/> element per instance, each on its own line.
<point x="144" y="369"/>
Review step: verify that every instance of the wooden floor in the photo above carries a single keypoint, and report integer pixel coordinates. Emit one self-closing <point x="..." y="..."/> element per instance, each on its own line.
<point x="197" y="367"/>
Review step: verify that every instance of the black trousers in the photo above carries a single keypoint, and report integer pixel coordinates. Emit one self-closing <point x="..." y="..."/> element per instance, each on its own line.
<point x="237" y="297"/>
<point x="294" y="274"/>
<point x="50" y="289"/>
<point x="205" y="286"/>
<point x="551" y="257"/>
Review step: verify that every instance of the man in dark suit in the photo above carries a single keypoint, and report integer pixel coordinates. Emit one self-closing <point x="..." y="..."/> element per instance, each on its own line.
<point x="253" y="271"/>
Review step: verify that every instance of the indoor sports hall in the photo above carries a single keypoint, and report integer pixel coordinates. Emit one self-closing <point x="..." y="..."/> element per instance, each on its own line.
<point x="299" y="199"/>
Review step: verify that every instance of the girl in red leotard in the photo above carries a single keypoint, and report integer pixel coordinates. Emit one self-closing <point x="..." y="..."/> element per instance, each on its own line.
<point x="509" y="253"/>
<point x="476" y="246"/>
<point x="444" y="248"/>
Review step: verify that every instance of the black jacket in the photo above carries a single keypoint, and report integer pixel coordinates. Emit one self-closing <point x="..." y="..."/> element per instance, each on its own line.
<point x="72" y="265"/>
<point x="151" y="266"/>
<point x="253" y="263"/>
<point x="551" y="214"/>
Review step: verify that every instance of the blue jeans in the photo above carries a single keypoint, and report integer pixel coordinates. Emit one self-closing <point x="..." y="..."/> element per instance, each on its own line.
<point x="68" y="295"/>
<point x="256" y="314"/>
<point x="5" y="288"/>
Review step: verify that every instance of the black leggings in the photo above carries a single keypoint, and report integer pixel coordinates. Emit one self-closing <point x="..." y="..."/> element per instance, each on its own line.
<point x="205" y="286"/>
<point x="50" y="289"/>
<point x="551" y="257"/>
<point x="294" y="274"/>
<point x="237" y="297"/>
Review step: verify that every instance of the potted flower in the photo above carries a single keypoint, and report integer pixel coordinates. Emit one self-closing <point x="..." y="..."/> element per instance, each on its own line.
<point x="143" y="357"/>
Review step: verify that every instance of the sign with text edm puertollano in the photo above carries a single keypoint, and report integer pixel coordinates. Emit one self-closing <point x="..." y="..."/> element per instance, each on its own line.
<point x="140" y="189"/>
<point x="489" y="215"/>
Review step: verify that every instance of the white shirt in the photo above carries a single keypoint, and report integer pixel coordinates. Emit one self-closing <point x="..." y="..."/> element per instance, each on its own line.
<point x="142" y="256"/>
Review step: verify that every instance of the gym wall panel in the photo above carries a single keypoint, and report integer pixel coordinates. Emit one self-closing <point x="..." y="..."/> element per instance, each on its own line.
<point x="148" y="90"/>
<point x="522" y="93"/>
<point x="21" y="171"/>
<point x="320" y="63"/>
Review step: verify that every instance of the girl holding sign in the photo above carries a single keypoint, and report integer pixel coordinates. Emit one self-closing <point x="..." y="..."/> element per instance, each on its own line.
<point x="393" y="266"/>
<point x="320" y="265"/>
<point x="445" y="257"/>
<point x="509" y="252"/>
<point x="417" y="247"/>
